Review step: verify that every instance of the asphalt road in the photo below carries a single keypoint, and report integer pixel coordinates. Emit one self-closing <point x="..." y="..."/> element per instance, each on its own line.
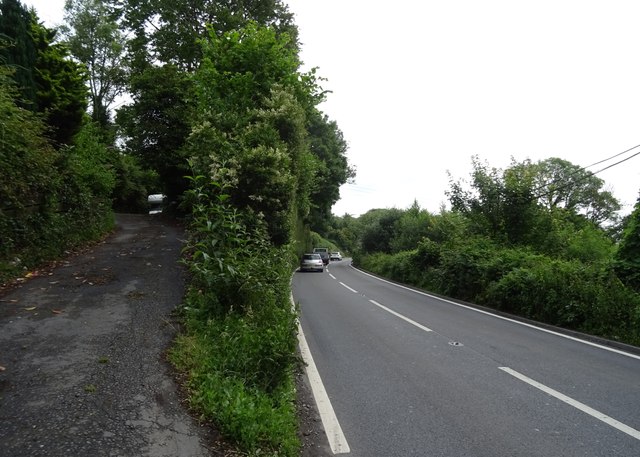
<point x="82" y="353"/>
<point x="412" y="375"/>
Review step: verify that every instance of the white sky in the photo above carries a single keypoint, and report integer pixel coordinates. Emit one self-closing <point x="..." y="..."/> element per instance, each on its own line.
<point x="421" y="86"/>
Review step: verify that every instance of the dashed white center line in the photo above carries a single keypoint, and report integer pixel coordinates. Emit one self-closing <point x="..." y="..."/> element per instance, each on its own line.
<point x="575" y="403"/>
<point x="412" y="322"/>
<point x="333" y="277"/>
<point x="347" y="287"/>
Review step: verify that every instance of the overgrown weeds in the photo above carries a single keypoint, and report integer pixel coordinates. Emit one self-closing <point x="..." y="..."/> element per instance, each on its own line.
<point x="239" y="344"/>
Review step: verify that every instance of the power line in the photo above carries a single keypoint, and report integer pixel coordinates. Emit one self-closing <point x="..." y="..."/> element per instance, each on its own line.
<point x="613" y="157"/>
<point x="588" y="175"/>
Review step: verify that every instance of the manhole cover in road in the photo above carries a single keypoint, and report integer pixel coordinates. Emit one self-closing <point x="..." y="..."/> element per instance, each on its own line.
<point x="455" y="343"/>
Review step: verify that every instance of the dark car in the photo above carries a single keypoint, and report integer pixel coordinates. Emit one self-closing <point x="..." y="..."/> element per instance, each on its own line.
<point x="324" y="253"/>
<point x="311" y="262"/>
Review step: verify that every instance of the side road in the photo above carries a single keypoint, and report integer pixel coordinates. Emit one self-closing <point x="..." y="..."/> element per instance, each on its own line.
<point x="82" y="368"/>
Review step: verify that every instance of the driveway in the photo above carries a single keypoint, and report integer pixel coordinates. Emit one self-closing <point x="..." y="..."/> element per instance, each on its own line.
<point x="82" y="368"/>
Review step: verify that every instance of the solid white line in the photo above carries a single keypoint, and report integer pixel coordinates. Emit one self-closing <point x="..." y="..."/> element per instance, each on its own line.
<point x="352" y="290"/>
<point x="420" y="326"/>
<point x="337" y="440"/>
<point x="572" y="338"/>
<point x="576" y="404"/>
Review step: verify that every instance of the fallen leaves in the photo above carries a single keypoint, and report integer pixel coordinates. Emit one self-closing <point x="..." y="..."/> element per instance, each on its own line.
<point x="56" y="311"/>
<point x="30" y="308"/>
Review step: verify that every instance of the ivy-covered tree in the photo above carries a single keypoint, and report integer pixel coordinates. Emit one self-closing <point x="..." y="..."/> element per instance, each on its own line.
<point x="165" y="42"/>
<point x="250" y="134"/>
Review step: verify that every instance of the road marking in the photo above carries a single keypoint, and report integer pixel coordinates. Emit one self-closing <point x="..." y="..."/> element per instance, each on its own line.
<point x="412" y="322"/>
<point x="576" y="404"/>
<point x="337" y="440"/>
<point x="497" y="316"/>
<point x="332" y="276"/>
<point x="352" y="290"/>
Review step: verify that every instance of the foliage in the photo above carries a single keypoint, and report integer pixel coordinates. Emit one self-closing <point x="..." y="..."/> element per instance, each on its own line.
<point x="51" y="200"/>
<point x="17" y="49"/>
<point x="168" y="31"/>
<point x="156" y="125"/>
<point x="95" y="39"/>
<point x="564" y="185"/>
<point x="133" y="185"/>
<point x="250" y="133"/>
<point x="50" y="82"/>
<point x="501" y="246"/>
<point x="378" y="229"/>
<point x="61" y="91"/>
<point x="328" y="146"/>
<point x="567" y="294"/>
<point x="627" y="257"/>
<point x="518" y="204"/>
<point x="241" y="328"/>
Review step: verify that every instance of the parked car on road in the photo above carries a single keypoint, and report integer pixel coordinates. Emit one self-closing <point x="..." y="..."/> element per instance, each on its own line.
<point x="324" y="253"/>
<point x="311" y="262"/>
<point x="335" y="256"/>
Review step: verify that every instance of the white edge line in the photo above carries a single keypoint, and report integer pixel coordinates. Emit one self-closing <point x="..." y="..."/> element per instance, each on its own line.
<point x="337" y="440"/>
<point x="412" y="322"/>
<point x="352" y="290"/>
<point x="575" y="403"/>
<point x="572" y="338"/>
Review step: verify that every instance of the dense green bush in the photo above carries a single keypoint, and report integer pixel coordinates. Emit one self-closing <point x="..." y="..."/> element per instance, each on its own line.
<point x="567" y="293"/>
<point x="49" y="200"/>
<point x="240" y="341"/>
<point x="570" y="295"/>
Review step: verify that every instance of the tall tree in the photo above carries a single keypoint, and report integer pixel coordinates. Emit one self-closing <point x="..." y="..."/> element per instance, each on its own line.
<point x="17" y="49"/>
<point x="156" y="124"/>
<point x="166" y="40"/>
<point x="50" y="81"/>
<point x="328" y="145"/>
<point x="171" y="29"/>
<point x="61" y="86"/>
<point x="561" y="184"/>
<point x="250" y="131"/>
<point x="95" y="39"/>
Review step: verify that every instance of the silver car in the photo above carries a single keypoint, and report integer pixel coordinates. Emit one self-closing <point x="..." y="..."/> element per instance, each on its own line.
<point x="311" y="262"/>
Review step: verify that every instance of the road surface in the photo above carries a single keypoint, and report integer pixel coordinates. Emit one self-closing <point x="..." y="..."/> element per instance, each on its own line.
<point x="409" y="374"/>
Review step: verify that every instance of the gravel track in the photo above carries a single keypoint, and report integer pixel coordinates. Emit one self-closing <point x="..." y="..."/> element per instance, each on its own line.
<point x="82" y="369"/>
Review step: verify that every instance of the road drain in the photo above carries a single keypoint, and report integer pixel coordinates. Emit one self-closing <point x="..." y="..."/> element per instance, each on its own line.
<point x="455" y="343"/>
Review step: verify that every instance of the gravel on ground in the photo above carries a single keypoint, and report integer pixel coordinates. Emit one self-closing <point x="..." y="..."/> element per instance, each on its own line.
<point x="82" y="355"/>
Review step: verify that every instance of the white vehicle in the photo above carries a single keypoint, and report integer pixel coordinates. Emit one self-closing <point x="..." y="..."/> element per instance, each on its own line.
<point x="155" y="201"/>
<point x="311" y="262"/>
<point x="335" y="256"/>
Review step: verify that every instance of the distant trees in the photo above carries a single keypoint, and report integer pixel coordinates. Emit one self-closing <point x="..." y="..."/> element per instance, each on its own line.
<point x="532" y="240"/>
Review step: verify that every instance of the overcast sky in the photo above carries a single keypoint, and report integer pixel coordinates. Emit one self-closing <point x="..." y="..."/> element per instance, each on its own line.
<point x="419" y="87"/>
